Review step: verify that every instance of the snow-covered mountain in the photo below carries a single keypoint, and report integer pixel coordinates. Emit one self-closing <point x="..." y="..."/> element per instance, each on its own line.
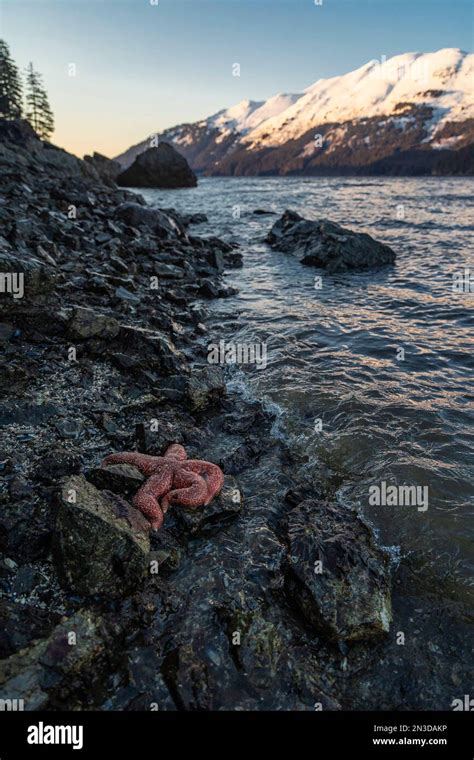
<point x="410" y="114"/>
<point x="250" y="114"/>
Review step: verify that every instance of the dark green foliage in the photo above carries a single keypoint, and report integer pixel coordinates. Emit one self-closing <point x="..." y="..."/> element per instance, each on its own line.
<point x="38" y="111"/>
<point x="10" y="85"/>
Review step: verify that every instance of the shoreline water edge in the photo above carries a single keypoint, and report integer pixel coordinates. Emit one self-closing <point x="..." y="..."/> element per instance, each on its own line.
<point x="271" y="597"/>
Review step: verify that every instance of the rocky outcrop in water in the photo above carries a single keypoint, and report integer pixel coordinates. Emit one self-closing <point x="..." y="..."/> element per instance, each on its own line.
<point x="326" y="244"/>
<point x="340" y="577"/>
<point x="158" y="167"/>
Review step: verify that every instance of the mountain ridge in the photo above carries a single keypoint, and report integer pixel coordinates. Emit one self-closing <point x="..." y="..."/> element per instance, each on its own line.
<point x="407" y="114"/>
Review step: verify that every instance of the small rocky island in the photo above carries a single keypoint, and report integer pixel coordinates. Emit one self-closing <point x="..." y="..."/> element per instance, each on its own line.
<point x="161" y="167"/>
<point x="327" y="245"/>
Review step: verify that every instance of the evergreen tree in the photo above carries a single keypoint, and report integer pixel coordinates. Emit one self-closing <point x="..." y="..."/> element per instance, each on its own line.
<point x="38" y="111"/>
<point x="10" y="85"/>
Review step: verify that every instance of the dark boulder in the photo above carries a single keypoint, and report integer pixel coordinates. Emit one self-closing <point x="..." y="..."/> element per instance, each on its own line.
<point x="340" y="577"/>
<point x="326" y="244"/>
<point x="186" y="219"/>
<point x="158" y="167"/>
<point x="121" y="479"/>
<point x="107" y="169"/>
<point x="101" y="543"/>
<point x="205" y="387"/>
<point x="54" y="669"/>
<point x="87" y="323"/>
<point x="163" y="225"/>
<point x="17" y="131"/>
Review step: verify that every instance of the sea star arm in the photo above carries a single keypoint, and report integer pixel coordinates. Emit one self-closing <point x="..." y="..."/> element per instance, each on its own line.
<point x="211" y="473"/>
<point x="146" y="499"/>
<point x="143" y="462"/>
<point x="176" y="451"/>
<point x="190" y="491"/>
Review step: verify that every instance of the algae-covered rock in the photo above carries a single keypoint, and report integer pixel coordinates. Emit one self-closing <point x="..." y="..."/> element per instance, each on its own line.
<point x="339" y="577"/>
<point x="87" y="323"/>
<point x="101" y="542"/>
<point x="58" y="666"/>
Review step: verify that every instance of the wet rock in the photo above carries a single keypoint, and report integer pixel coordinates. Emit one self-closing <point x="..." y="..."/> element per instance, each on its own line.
<point x="101" y="542"/>
<point x="326" y="244"/>
<point x="186" y="219"/>
<point x="156" y="441"/>
<point x="123" y="479"/>
<point x="58" y="462"/>
<point x="209" y="289"/>
<point x="6" y="332"/>
<point x="216" y="260"/>
<point x="107" y="169"/>
<point x="68" y="428"/>
<point x="21" y="623"/>
<point x="348" y="596"/>
<point x="166" y="551"/>
<point x="146" y="689"/>
<point x="168" y="271"/>
<point x="201" y="671"/>
<point x="240" y="458"/>
<point x="152" y="349"/>
<point x="263" y="650"/>
<point x="127" y="295"/>
<point x="23" y="277"/>
<point x="227" y="292"/>
<point x="25" y="413"/>
<point x="195" y="219"/>
<point x="54" y="670"/>
<point x="160" y="223"/>
<point x="224" y="507"/>
<point x="205" y="386"/>
<point x="158" y="167"/>
<point x="200" y="389"/>
<point x="87" y="323"/>
<point x="234" y="260"/>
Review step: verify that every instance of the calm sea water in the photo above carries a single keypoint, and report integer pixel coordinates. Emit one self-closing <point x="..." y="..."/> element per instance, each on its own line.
<point x="334" y="352"/>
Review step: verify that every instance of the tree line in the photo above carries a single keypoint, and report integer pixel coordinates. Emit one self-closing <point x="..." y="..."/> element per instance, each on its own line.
<point x="24" y="99"/>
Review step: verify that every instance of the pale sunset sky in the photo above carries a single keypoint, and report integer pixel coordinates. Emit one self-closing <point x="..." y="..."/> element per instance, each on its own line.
<point x="141" y="67"/>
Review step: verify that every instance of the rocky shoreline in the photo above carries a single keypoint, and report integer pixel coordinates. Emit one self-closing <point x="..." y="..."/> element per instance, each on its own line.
<point x="253" y="602"/>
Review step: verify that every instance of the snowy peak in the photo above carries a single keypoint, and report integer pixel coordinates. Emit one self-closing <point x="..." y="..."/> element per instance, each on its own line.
<point x="442" y="80"/>
<point x="236" y="117"/>
<point x="250" y="114"/>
